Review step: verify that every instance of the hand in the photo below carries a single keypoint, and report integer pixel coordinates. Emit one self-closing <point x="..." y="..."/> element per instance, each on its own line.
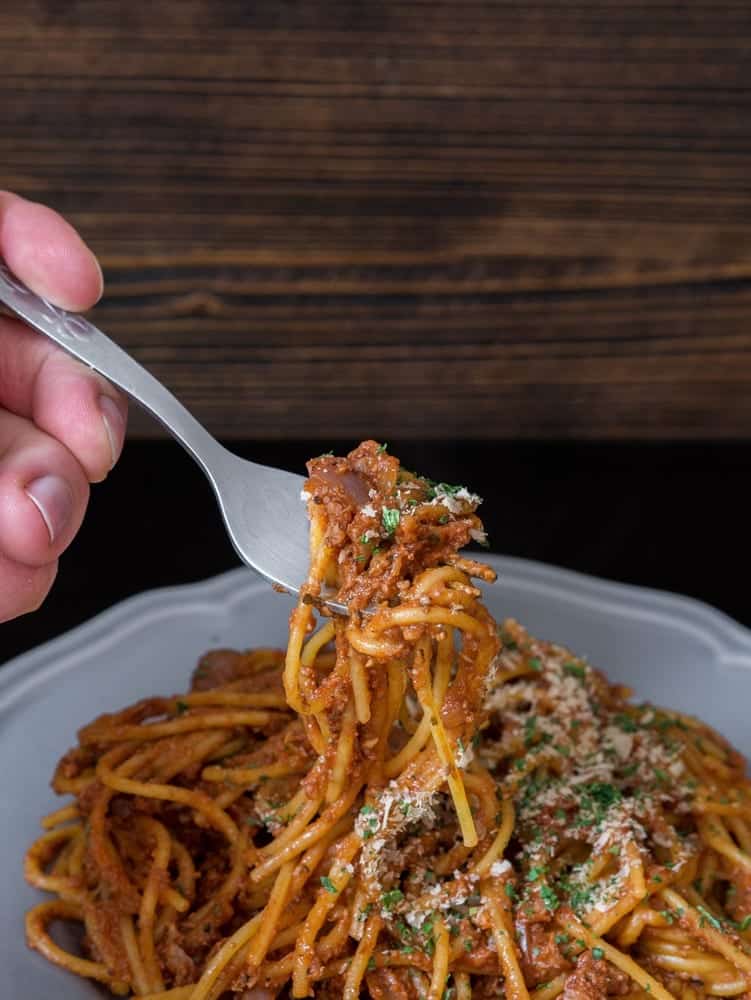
<point x="61" y="425"/>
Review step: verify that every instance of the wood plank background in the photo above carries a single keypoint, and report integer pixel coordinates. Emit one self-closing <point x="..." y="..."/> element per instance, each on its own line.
<point x="417" y="219"/>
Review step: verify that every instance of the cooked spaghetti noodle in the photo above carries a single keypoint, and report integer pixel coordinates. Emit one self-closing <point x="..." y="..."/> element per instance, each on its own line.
<point x="409" y="803"/>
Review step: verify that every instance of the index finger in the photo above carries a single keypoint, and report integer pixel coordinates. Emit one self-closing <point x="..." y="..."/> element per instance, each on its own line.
<point x="46" y="253"/>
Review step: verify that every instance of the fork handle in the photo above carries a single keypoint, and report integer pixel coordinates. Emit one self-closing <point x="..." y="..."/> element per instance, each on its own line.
<point x="84" y="341"/>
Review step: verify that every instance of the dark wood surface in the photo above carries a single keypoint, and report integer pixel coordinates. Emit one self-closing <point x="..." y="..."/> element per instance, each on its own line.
<point x="668" y="516"/>
<point x="415" y="219"/>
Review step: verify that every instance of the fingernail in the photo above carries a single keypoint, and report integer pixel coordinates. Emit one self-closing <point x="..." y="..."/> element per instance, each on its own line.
<point x="52" y="497"/>
<point x="114" y="425"/>
<point x="101" y="276"/>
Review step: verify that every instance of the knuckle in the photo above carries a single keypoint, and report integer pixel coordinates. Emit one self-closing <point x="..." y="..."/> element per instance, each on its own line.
<point x="84" y="412"/>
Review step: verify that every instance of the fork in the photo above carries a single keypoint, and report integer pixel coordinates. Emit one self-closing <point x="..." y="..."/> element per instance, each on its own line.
<point x="262" y="508"/>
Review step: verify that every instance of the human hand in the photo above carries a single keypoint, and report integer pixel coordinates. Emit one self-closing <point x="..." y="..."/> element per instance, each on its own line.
<point x="62" y="426"/>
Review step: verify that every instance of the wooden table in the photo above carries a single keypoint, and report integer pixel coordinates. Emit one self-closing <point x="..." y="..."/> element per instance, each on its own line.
<point x="413" y="219"/>
<point x="453" y="226"/>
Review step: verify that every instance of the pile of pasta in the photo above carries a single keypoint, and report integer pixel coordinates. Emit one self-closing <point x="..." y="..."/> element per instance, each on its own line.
<point x="410" y="802"/>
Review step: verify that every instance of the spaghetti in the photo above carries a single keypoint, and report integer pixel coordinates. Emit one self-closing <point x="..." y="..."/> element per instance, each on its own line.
<point x="409" y="803"/>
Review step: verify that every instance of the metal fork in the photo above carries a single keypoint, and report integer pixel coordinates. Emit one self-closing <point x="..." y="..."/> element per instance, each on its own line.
<point x="262" y="509"/>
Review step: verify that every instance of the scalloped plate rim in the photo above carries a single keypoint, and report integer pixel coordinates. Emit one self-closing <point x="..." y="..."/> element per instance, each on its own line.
<point x="731" y="640"/>
<point x="23" y="680"/>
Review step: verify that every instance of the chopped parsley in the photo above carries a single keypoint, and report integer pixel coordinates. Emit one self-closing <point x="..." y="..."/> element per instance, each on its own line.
<point x="580" y="899"/>
<point x="426" y="933"/>
<point x="508" y="641"/>
<point x="549" y="897"/>
<point x="435" y="489"/>
<point x="390" y="517"/>
<point x="598" y="953"/>
<point x="328" y="885"/>
<point x="391" y="898"/>
<point x="529" y="730"/>
<point x="369" y="824"/>
<point x="534" y="873"/>
<point x="708" y="918"/>
<point x="625" y="723"/>
<point x="596" y="799"/>
<point x="575" y="670"/>
<point x="181" y="707"/>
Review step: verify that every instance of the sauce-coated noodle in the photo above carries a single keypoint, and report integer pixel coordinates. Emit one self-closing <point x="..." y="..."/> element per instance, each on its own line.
<point x="409" y="803"/>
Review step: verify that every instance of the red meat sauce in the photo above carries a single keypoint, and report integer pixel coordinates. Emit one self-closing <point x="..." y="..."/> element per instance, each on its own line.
<point x="386" y="525"/>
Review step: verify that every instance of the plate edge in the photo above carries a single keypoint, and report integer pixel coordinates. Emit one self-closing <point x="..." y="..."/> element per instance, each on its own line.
<point x="731" y="638"/>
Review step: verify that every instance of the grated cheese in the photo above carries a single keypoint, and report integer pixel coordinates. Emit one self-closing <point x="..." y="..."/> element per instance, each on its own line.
<point x="454" y="501"/>
<point x="578" y="770"/>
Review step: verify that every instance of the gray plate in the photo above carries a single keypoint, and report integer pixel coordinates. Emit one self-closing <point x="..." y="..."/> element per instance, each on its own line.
<point x="671" y="650"/>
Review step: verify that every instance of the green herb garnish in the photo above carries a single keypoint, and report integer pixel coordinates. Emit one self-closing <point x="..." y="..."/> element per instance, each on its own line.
<point x="549" y="897"/>
<point x="575" y="670"/>
<point x="390" y="517"/>
<point x="390" y="899"/>
<point x="708" y="918"/>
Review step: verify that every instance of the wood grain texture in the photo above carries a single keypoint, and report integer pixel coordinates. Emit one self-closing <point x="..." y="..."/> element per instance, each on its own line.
<point x="414" y="219"/>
